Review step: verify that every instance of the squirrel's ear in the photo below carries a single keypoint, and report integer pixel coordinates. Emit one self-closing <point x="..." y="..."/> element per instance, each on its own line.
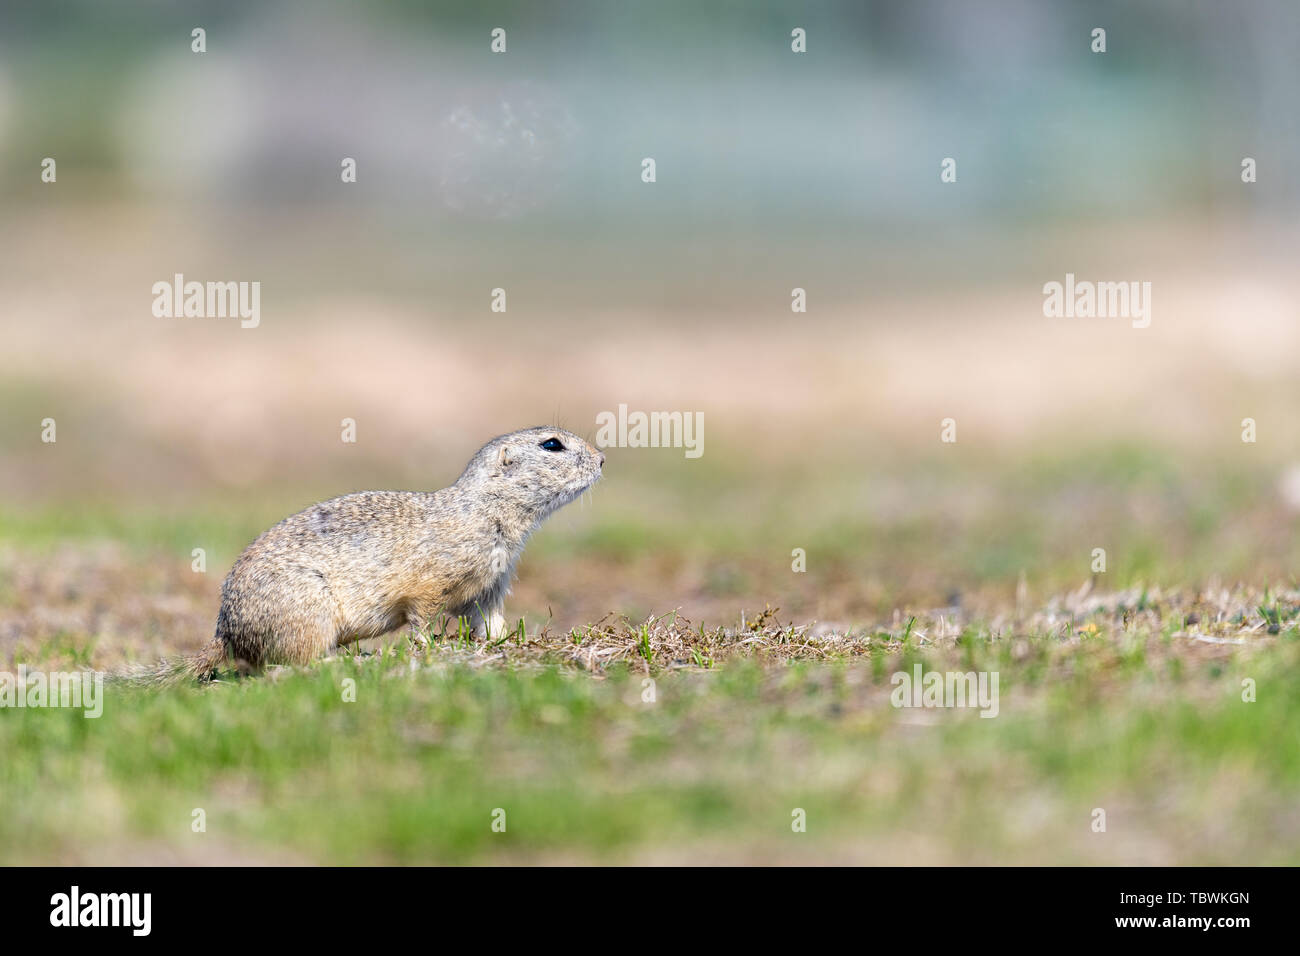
<point x="505" y="458"/>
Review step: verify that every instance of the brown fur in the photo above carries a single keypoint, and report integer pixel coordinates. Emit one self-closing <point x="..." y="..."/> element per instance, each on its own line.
<point x="367" y="563"/>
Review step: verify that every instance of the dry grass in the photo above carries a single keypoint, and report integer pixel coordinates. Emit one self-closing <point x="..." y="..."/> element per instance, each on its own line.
<point x="1202" y="625"/>
<point x="103" y="604"/>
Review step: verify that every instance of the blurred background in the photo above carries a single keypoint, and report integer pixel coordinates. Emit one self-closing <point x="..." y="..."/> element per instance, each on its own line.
<point x="775" y="170"/>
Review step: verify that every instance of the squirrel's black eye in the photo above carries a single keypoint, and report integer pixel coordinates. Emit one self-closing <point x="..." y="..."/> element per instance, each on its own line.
<point x="552" y="444"/>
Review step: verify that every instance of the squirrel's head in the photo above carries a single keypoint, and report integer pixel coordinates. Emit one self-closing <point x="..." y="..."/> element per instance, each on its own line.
<point x="540" y="468"/>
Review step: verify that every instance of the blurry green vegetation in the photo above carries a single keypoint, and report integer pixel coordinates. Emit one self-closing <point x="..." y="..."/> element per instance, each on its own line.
<point x="412" y="770"/>
<point x="915" y="520"/>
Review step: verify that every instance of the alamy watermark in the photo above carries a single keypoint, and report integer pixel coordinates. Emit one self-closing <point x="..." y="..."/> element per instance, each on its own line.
<point x="624" y="429"/>
<point x="946" y="689"/>
<point x="130" y="910"/>
<point x="79" y="690"/>
<point x="179" y="299"/>
<point x="1098" y="300"/>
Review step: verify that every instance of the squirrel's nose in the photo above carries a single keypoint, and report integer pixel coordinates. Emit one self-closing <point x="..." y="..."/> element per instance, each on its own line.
<point x="602" y="459"/>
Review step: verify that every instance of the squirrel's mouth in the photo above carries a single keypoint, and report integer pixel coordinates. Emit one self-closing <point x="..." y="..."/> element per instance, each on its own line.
<point x="571" y="494"/>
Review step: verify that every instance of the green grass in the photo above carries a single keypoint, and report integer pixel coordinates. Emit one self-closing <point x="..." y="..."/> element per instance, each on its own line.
<point x="1128" y="705"/>
<point x="586" y="769"/>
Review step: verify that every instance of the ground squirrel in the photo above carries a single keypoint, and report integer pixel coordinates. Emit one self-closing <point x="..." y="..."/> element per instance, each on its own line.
<point x="367" y="563"/>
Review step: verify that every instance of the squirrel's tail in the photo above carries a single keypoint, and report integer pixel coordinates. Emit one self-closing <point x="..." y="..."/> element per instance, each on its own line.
<point x="200" y="667"/>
